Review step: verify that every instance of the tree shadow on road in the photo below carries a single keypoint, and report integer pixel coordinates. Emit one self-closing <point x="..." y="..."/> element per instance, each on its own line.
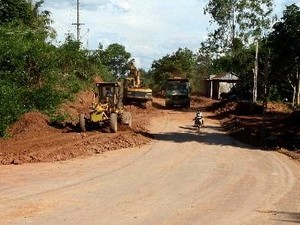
<point x="284" y="217"/>
<point x="292" y="217"/>
<point x="210" y="135"/>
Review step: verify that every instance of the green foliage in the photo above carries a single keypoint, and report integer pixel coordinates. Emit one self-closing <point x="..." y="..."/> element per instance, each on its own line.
<point x="16" y="10"/>
<point x="11" y="109"/>
<point x="240" y="62"/>
<point x="284" y="43"/>
<point x="34" y="74"/>
<point x="241" y="19"/>
<point x="24" y="56"/>
<point x="274" y="94"/>
<point x="115" y="57"/>
<point x="287" y="29"/>
<point x="182" y="63"/>
<point x="44" y="98"/>
<point x="26" y="13"/>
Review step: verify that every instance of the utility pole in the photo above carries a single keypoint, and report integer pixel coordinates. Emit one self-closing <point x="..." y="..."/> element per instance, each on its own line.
<point x="265" y="102"/>
<point x="255" y="74"/>
<point x="78" y="24"/>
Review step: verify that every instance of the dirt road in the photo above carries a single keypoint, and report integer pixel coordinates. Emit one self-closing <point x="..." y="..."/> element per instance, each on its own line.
<point x="181" y="177"/>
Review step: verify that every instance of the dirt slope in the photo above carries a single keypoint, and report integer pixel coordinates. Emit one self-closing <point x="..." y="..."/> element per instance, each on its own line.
<point x="279" y="130"/>
<point x="35" y="140"/>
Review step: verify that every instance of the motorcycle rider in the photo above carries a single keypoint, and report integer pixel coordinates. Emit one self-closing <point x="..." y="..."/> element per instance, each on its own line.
<point x="199" y="120"/>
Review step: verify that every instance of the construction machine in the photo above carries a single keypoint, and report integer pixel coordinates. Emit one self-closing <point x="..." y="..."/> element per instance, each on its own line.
<point x="107" y="108"/>
<point x="134" y="90"/>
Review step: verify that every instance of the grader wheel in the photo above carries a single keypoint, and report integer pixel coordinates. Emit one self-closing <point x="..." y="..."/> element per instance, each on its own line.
<point x="126" y="118"/>
<point x="113" y="123"/>
<point x="82" y="123"/>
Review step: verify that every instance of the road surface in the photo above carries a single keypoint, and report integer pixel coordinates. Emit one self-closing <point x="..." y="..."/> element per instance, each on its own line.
<point x="181" y="177"/>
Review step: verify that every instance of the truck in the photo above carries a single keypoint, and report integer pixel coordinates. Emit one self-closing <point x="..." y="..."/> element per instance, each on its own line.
<point x="134" y="90"/>
<point x="178" y="92"/>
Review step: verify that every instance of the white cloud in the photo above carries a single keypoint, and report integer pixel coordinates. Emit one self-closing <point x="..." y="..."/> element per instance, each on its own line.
<point x="149" y="29"/>
<point x="122" y="5"/>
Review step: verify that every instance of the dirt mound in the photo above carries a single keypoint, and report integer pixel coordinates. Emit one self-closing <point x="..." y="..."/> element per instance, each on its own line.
<point x="204" y="102"/>
<point x="278" y="107"/>
<point x="243" y="120"/>
<point x="226" y="108"/>
<point x="32" y="121"/>
<point x="97" y="79"/>
<point x="248" y="108"/>
<point x="34" y="140"/>
<point x="80" y="104"/>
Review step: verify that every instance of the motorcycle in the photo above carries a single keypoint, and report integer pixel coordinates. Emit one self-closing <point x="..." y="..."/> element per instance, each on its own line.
<point x="199" y="120"/>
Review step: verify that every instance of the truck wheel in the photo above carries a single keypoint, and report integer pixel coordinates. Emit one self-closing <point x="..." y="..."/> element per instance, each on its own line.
<point x="188" y="105"/>
<point x="82" y="124"/>
<point x="113" y="123"/>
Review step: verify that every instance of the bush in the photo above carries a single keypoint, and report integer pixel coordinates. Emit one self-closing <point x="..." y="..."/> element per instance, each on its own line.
<point x="11" y="105"/>
<point x="45" y="98"/>
<point x="274" y="94"/>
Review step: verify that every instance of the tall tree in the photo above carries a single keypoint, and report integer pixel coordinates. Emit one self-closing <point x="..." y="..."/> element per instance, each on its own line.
<point x="241" y="19"/>
<point x="181" y="63"/>
<point x="25" y="12"/>
<point x="15" y="13"/>
<point x="286" y="54"/>
<point x="115" y="57"/>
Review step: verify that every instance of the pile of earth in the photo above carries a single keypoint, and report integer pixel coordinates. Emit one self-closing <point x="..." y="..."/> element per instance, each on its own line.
<point x="33" y="139"/>
<point x="29" y="124"/>
<point x="279" y="128"/>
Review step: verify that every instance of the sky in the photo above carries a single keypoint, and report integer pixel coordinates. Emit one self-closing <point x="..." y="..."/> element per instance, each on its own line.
<point x="149" y="29"/>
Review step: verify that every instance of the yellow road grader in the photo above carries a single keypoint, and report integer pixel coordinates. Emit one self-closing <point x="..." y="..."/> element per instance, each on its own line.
<point x="107" y="108"/>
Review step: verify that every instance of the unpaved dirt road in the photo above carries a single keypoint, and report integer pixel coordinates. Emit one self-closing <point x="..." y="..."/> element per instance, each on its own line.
<point x="181" y="177"/>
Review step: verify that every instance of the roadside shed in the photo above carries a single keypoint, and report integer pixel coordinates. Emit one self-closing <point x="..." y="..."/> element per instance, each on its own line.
<point x="216" y="85"/>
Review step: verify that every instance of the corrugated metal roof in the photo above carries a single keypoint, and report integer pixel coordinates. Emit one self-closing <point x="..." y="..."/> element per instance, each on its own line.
<point x="223" y="76"/>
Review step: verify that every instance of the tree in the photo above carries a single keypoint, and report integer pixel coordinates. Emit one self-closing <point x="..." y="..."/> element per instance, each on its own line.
<point x="181" y="63"/>
<point x="27" y="13"/>
<point x="25" y="60"/>
<point x="239" y="62"/>
<point x="11" y="10"/>
<point x="286" y="54"/>
<point x="243" y="19"/>
<point x="115" y="57"/>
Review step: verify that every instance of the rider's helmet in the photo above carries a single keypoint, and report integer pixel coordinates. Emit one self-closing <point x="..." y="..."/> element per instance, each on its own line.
<point x="199" y="113"/>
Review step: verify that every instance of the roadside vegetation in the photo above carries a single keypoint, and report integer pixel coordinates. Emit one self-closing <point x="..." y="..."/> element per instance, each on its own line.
<point x="36" y="75"/>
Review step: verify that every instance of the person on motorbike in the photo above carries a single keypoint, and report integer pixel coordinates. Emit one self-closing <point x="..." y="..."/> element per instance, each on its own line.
<point x="199" y="120"/>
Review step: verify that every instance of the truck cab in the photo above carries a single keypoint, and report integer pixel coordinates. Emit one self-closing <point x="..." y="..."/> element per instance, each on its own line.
<point x="178" y="93"/>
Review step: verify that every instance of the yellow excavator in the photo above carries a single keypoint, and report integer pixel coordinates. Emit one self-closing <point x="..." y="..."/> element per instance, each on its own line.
<point x="134" y="90"/>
